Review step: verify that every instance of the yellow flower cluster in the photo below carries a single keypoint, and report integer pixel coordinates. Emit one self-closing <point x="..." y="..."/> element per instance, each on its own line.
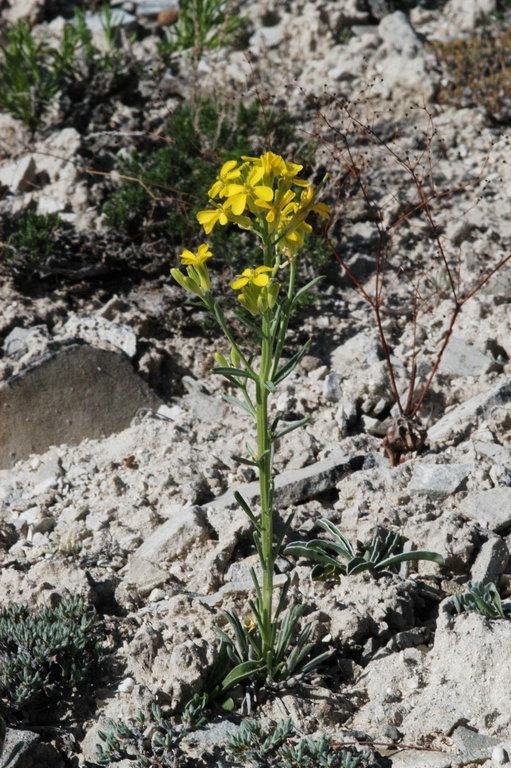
<point x="263" y="194"/>
<point x="258" y="194"/>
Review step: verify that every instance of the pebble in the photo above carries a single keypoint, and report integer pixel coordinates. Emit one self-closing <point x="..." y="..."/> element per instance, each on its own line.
<point x="126" y="685"/>
<point x="156" y="595"/>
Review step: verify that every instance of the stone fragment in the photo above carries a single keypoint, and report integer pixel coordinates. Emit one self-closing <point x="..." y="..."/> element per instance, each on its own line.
<point x="22" y="340"/>
<point x="358" y="349"/>
<point x="20" y="175"/>
<point x="499" y="755"/>
<point x="462" y="359"/>
<point x="96" y="330"/>
<point x="490" y="509"/>
<point x="472" y="746"/>
<point x="438" y="480"/>
<point x="463" y="418"/>
<point x="407" y="758"/>
<point x="75" y="392"/>
<point x="332" y="388"/>
<point x="491" y="561"/>
<point x="465" y="15"/>
<point x="380" y="8"/>
<point x="297" y="485"/>
<point x="143" y="575"/>
<point x="397" y="32"/>
<point x="175" y="537"/>
<point x="266" y="37"/>
<point x="19" y="748"/>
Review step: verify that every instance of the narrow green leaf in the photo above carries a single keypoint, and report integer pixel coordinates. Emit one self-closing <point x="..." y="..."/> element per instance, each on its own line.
<point x="230" y="372"/>
<point x="241" y="460"/>
<point x="243" y="504"/>
<point x="239" y="404"/>
<point x="334" y="531"/>
<point x="404" y="556"/>
<point x="306" y="288"/>
<point x="243" y="671"/>
<point x="270" y="386"/>
<point x="291" y="427"/>
<point x="291" y="364"/>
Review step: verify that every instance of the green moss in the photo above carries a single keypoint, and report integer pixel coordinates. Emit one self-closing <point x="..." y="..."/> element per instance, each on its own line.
<point x="34" y="234"/>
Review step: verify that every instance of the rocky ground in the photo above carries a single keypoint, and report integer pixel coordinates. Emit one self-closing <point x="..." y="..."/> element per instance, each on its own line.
<point x="116" y="474"/>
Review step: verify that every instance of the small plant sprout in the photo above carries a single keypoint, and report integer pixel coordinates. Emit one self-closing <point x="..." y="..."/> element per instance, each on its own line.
<point x="483" y="599"/>
<point x="339" y="557"/>
<point x="265" y="195"/>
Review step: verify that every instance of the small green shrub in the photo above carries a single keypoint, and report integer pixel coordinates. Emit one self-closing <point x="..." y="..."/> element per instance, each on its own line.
<point x="32" y="72"/>
<point x="201" y="25"/>
<point x="481" y="598"/>
<point x="383" y="553"/>
<point x="199" y="138"/>
<point x="47" y="656"/>
<point x="34" y="235"/>
<point x="254" y="746"/>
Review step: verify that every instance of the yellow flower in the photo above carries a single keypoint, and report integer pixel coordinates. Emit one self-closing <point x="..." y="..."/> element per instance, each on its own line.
<point x="189" y="258"/>
<point x="238" y="195"/>
<point x="255" y="276"/>
<point x="307" y="201"/>
<point x="277" y="208"/>
<point x="208" y="219"/>
<point x="228" y="171"/>
<point x="275" y="164"/>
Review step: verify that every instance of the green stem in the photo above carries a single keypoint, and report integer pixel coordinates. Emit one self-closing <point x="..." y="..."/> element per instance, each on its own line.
<point x="281" y="336"/>
<point x="265" y="453"/>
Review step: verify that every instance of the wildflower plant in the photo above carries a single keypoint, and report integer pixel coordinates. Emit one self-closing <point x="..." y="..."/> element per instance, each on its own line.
<point x="267" y="196"/>
<point x="339" y="557"/>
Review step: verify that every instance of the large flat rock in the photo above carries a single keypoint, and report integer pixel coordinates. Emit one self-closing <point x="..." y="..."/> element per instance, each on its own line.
<point x="490" y="508"/>
<point x="76" y="392"/>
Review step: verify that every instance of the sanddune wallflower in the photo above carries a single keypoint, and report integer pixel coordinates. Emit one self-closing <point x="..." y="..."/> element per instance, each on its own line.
<point x="240" y="195"/>
<point x="228" y="172"/>
<point x="260" y="194"/>
<point x="196" y="259"/>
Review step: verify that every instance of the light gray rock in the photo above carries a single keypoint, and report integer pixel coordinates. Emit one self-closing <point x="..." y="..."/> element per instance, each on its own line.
<point x="462" y="359"/>
<point x="297" y="485"/>
<point x="465" y="15"/>
<point x="438" y="480"/>
<point x="96" y="330"/>
<point x="380" y="8"/>
<point x="22" y="340"/>
<point x="332" y="387"/>
<point x="358" y="349"/>
<point x="397" y="32"/>
<point x="20" y="175"/>
<point x="490" y="508"/>
<point x="23" y="749"/>
<point x="500" y="755"/>
<point x="407" y="758"/>
<point x="463" y="418"/>
<point x="491" y="560"/>
<point x="78" y="391"/>
<point x="175" y="537"/>
<point x="471" y="745"/>
<point x="143" y="575"/>
<point x="267" y="37"/>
